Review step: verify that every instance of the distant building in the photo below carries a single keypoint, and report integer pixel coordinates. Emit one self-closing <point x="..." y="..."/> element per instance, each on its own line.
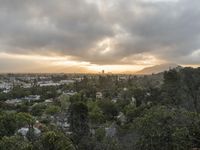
<point x="121" y="117"/>
<point x="111" y="131"/>
<point x="114" y="100"/>
<point x="6" y="91"/>
<point x="99" y="95"/>
<point x="13" y="102"/>
<point x="125" y="89"/>
<point x="49" y="100"/>
<point x="78" y="79"/>
<point x="5" y="86"/>
<point x="48" y="83"/>
<point x="66" y="82"/>
<point x="32" y="98"/>
<point x="69" y="93"/>
<point x="27" y="85"/>
<point x="121" y="78"/>
<point x="133" y="101"/>
<point x="24" y="131"/>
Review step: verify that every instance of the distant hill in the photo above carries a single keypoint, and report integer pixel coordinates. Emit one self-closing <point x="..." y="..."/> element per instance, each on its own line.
<point x="158" y="68"/>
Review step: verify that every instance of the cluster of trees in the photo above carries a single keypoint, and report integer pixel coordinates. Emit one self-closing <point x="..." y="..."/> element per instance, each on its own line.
<point x="20" y="92"/>
<point x="11" y="140"/>
<point x="162" y="117"/>
<point x="161" y="112"/>
<point x="182" y="88"/>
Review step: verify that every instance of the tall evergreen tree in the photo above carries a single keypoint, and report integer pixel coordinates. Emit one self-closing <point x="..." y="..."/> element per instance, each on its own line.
<point x="78" y="120"/>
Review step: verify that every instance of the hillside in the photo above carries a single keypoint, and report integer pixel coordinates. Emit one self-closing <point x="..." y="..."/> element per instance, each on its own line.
<point x="157" y="69"/>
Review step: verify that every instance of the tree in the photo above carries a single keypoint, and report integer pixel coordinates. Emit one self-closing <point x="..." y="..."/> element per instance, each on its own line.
<point x="190" y="89"/>
<point x="110" y="109"/>
<point x="27" y="119"/>
<point x="38" y="109"/>
<point x="15" y="143"/>
<point x="64" y="102"/>
<point x="23" y="107"/>
<point x="8" y="124"/>
<point x="51" y="110"/>
<point x="182" y="88"/>
<point x="78" y="120"/>
<point x="96" y="116"/>
<point x="170" y="87"/>
<point x="56" y="141"/>
<point x="162" y="128"/>
<point x="95" y="113"/>
<point x="139" y="95"/>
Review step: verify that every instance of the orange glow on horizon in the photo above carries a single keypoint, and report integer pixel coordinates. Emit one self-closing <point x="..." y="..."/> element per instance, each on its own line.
<point x="66" y="64"/>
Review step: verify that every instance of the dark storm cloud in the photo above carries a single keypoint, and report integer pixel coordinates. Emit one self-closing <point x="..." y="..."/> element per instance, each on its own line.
<point x="169" y="30"/>
<point x="69" y="27"/>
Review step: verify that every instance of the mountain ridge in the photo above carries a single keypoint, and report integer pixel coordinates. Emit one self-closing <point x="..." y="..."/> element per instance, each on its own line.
<point x="157" y="68"/>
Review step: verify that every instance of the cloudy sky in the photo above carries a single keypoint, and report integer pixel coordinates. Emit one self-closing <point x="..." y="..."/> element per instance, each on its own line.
<point x="91" y="35"/>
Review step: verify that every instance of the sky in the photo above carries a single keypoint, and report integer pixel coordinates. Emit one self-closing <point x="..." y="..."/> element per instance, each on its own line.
<point x="87" y="36"/>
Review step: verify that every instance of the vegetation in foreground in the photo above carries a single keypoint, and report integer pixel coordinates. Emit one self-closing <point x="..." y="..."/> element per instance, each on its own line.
<point x="156" y="112"/>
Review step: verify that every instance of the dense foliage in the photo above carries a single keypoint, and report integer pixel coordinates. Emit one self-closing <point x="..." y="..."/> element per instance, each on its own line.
<point x="155" y="112"/>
